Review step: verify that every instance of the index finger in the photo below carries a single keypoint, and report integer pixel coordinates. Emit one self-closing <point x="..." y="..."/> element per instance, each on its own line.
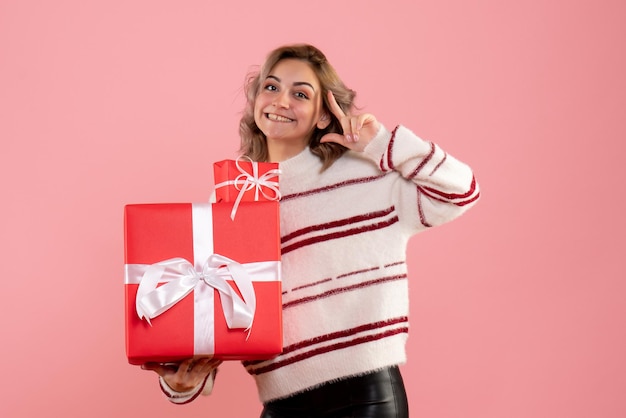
<point x="334" y="106"/>
<point x="161" y="368"/>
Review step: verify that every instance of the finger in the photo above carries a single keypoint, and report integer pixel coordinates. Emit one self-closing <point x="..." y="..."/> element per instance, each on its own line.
<point x="334" y="106"/>
<point x="333" y="137"/>
<point x="151" y="366"/>
<point x="186" y="366"/>
<point x="364" y="119"/>
<point x="344" y="120"/>
<point x="355" y="127"/>
<point x="213" y="362"/>
<point x="161" y="369"/>
<point x="206" y="362"/>
<point x="216" y="363"/>
<point x="205" y="366"/>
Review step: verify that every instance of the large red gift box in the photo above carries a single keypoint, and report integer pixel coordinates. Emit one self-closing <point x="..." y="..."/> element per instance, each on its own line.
<point x="173" y="248"/>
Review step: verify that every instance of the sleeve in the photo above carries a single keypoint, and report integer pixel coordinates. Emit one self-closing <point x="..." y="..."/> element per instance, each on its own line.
<point x="205" y="388"/>
<point x="437" y="186"/>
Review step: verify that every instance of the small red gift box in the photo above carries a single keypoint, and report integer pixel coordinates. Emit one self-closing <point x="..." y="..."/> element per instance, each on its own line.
<point x="204" y="284"/>
<point x="245" y="181"/>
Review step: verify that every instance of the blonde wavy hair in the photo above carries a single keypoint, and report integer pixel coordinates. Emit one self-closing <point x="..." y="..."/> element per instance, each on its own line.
<point x="253" y="141"/>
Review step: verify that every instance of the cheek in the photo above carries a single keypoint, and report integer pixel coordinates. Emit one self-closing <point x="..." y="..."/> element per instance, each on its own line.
<point x="257" y="111"/>
<point x="312" y="112"/>
<point x="259" y="118"/>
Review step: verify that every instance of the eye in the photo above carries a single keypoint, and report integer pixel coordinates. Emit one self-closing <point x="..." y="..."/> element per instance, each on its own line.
<point x="270" y="87"/>
<point x="302" y="95"/>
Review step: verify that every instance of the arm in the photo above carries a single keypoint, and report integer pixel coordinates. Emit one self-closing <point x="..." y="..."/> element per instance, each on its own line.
<point x="445" y="186"/>
<point x="438" y="186"/>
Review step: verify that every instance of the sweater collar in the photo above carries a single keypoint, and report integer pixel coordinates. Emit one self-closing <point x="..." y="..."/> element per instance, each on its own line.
<point x="306" y="162"/>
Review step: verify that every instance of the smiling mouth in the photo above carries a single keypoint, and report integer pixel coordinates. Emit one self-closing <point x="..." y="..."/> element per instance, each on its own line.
<point x="277" y="118"/>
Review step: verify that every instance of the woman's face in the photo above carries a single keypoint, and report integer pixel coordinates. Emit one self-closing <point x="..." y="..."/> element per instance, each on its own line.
<point x="288" y="106"/>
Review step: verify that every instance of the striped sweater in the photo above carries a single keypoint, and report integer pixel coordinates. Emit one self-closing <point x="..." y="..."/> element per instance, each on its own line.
<point x="344" y="237"/>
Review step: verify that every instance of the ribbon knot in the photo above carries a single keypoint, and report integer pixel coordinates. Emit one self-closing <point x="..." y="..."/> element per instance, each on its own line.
<point x="247" y="181"/>
<point x="181" y="278"/>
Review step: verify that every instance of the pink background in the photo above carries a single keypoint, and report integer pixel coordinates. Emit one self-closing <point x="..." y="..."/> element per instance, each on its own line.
<point x="518" y="308"/>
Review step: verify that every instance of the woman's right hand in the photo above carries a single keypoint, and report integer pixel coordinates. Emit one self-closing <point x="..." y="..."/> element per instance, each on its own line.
<point x="186" y="375"/>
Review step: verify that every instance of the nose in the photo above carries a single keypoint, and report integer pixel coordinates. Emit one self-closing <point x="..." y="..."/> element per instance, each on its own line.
<point x="282" y="100"/>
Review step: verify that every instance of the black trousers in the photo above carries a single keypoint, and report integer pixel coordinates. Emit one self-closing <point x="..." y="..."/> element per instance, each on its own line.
<point x="376" y="395"/>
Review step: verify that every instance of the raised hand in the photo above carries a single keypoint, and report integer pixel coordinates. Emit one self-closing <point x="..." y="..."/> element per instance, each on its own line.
<point x="358" y="130"/>
<point x="186" y="375"/>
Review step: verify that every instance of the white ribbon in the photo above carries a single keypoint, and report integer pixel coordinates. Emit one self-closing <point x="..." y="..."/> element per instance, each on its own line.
<point x="179" y="278"/>
<point x="152" y="301"/>
<point x="247" y="181"/>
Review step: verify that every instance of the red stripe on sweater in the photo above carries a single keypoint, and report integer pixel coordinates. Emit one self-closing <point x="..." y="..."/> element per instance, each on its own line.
<point x="342" y="276"/>
<point x="338" y="290"/>
<point x="343" y="334"/>
<point x="324" y="350"/>
<point x="450" y="196"/>
<point x="443" y="160"/>
<point x="421" y="191"/>
<point x="339" y="234"/>
<point x="461" y="203"/>
<point x="467" y="202"/>
<point x="352" y="273"/>
<point x="444" y="200"/>
<point x="333" y="336"/>
<point x="339" y="223"/>
<point x="420" y="209"/>
<point x="397" y="263"/>
<point x="332" y="187"/>
<point x="424" y="162"/>
<point x="390" y="165"/>
<point x="304" y="286"/>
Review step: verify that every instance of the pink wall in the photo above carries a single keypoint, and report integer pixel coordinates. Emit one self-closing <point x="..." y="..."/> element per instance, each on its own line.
<point x="518" y="308"/>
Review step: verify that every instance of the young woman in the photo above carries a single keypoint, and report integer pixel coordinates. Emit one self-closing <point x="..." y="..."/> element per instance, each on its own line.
<point x="353" y="193"/>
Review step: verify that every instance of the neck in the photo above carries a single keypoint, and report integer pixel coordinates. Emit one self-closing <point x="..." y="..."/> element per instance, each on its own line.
<point x="279" y="151"/>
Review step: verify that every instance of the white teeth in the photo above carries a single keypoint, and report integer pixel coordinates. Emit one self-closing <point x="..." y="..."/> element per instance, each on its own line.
<point x="277" y="118"/>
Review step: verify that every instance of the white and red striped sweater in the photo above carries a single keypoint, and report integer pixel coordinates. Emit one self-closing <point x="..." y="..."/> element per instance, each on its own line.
<point x="344" y="236"/>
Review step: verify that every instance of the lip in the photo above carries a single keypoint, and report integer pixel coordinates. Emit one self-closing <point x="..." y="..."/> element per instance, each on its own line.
<point x="275" y="117"/>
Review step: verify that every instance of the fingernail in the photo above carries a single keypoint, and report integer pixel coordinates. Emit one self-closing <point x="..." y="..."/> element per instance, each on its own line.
<point x="348" y="137"/>
<point x="355" y="137"/>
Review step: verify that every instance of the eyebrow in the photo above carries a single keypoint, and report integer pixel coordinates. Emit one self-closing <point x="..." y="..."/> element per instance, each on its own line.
<point x="297" y="83"/>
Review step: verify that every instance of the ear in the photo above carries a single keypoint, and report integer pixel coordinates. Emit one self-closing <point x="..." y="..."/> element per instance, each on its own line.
<point x="324" y="121"/>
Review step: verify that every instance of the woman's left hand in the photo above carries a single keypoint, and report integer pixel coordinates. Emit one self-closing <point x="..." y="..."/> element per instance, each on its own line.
<point x="186" y="375"/>
<point x="358" y="130"/>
